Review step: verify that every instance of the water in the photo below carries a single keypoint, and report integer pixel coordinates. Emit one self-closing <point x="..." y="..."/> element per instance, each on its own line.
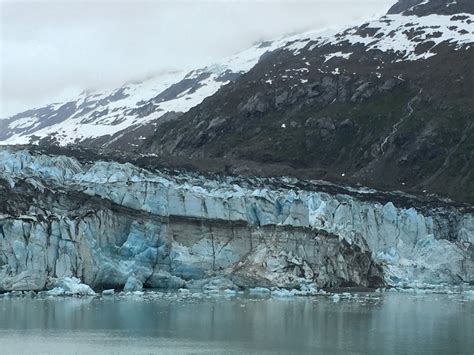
<point x="371" y="324"/>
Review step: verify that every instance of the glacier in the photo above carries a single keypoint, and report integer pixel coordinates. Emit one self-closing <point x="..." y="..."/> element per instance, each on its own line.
<point x="114" y="225"/>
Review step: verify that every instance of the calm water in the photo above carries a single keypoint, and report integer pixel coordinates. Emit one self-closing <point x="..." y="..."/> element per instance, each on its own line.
<point x="387" y="324"/>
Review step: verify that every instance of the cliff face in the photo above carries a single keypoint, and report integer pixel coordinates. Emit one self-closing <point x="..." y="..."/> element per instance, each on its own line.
<point x="116" y="225"/>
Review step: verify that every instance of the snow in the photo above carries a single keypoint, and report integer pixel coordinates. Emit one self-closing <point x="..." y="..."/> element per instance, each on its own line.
<point x="297" y="42"/>
<point x="23" y="122"/>
<point x="402" y="34"/>
<point x="337" y="54"/>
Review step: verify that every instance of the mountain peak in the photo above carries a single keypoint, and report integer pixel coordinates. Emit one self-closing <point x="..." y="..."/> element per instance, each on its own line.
<point x="432" y="7"/>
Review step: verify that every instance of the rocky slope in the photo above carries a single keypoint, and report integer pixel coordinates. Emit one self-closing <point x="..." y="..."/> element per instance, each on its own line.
<point x="387" y="104"/>
<point x="117" y="225"/>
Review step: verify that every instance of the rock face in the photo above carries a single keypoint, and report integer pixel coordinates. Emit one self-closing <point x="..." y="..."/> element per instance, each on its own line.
<point x="115" y="225"/>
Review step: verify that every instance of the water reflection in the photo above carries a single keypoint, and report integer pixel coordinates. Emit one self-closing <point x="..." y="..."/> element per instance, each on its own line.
<point x="392" y="324"/>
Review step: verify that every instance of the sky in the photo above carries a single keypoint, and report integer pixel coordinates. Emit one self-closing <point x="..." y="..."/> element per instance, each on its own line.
<point x="52" y="50"/>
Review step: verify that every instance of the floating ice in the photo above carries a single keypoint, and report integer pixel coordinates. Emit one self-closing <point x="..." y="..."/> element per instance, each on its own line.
<point x="71" y="286"/>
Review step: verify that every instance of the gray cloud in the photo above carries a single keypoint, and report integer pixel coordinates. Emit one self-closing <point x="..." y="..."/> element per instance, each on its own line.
<point x="51" y="49"/>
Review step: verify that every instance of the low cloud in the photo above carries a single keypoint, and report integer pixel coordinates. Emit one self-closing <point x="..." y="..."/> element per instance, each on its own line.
<point x="54" y="49"/>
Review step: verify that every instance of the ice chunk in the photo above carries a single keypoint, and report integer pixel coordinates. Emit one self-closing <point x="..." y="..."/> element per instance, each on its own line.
<point x="71" y="286"/>
<point x="259" y="291"/>
<point x="283" y="293"/>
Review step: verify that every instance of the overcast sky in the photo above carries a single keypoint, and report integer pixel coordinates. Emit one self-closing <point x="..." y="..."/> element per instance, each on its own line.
<point x="55" y="49"/>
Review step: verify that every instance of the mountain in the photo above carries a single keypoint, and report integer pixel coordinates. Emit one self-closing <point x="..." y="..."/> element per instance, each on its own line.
<point x="122" y="118"/>
<point x="388" y="104"/>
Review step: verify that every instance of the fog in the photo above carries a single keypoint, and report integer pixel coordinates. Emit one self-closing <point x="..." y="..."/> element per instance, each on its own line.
<point x="51" y="50"/>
